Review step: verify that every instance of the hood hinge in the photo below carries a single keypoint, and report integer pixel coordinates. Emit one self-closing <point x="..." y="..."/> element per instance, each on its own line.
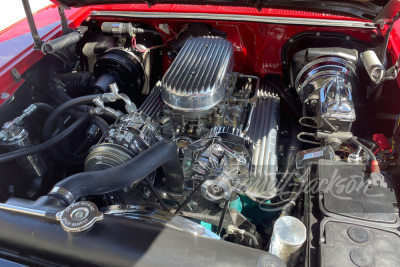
<point x="70" y="37"/>
<point x="36" y="38"/>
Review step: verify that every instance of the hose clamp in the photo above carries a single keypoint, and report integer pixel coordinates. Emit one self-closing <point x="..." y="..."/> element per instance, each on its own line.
<point x="64" y="193"/>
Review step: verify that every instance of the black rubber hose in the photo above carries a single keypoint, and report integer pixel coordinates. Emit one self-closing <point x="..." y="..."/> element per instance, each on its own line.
<point x="76" y="83"/>
<point x="253" y="238"/>
<point x="48" y="144"/>
<point x="44" y="106"/>
<point x="60" y="110"/>
<point x="119" y="177"/>
<point x="61" y="42"/>
<point x="101" y="123"/>
<point x="287" y="209"/>
<point x="58" y="94"/>
<point x="280" y="88"/>
<point x="54" y="117"/>
<point x="290" y="155"/>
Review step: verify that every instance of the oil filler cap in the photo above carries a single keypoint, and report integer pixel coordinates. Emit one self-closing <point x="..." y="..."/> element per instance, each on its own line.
<point x="79" y="217"/>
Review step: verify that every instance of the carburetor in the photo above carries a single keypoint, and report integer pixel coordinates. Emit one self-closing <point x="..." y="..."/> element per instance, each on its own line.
<point x="196" y="85"/>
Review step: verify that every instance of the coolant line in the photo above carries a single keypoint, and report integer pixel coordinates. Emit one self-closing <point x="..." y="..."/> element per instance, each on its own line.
<point x="164" y="153"/>
<point x="45" y="145"/>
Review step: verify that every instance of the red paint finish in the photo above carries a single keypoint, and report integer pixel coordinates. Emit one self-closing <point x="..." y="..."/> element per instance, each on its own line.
<point x="257" y="46"/>
<point x="265" y="12"/>
<point x="394" y="44"/>
<point x="16" y="44"/>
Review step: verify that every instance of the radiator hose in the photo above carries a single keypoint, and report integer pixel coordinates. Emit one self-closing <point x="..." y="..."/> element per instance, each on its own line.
<point x="164" y="153"/>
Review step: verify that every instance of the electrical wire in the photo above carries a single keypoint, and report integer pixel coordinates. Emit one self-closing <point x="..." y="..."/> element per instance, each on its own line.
<point x="184" y="204"/>
<point x="222" y="217"/>
<point x="157" y="33"/>
<point x="133" y="43"/>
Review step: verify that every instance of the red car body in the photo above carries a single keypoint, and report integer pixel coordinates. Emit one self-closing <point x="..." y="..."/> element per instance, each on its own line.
<point x="261" y="40"/>
<point x="16" y="43"/>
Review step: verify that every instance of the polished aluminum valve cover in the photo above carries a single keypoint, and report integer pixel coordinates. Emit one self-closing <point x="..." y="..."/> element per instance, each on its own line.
<point x="198" y="78"/>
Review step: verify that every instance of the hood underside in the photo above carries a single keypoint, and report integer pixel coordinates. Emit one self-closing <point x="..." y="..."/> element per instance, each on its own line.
<point x="373" y="10"/>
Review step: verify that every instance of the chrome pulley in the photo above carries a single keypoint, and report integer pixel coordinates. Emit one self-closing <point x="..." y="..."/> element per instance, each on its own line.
<point x="132" y="134"/>
<point x="220" y="162"/>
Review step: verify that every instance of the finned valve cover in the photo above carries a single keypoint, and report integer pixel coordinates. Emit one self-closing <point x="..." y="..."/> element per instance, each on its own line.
<point x="198" y="78"/>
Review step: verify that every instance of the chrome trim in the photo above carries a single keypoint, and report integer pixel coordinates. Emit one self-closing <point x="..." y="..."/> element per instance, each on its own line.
<point x="248" y="18"/>
<point x="27" y="211"/>
<point x="159" y="217"/>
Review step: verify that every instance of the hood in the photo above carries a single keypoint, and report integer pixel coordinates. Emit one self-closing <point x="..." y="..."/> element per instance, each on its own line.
<point x="372" y="10"/>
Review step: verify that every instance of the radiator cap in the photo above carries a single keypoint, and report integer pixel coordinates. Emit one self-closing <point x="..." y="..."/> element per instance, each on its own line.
<point x="79" y="217"/>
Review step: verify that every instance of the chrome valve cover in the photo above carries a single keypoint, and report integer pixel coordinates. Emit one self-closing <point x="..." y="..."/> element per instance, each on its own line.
<point x="198" y="78"/>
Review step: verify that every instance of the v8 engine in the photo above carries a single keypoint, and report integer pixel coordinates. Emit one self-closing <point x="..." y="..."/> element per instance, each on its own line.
<point x="185" y="127"/>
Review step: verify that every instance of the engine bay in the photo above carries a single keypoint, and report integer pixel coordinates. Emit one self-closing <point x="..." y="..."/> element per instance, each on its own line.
<point x="264" y="135"/>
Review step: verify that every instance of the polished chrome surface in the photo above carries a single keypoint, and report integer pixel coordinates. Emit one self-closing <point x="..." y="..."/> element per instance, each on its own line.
<point x="160" y="217"/>
<point x="198" y="78"/>
<point x="14" y="137"/>
<point x="151" y="106"/>
<point x="263" y="136"/>
<point x="326" y="85"/>
<point x="317" y="71"/>
<point x="373" y="66"/>
<point x="222" y="160"/>
<point x="79" y="217"/>
<point x="137" y="124"/>
<point x="336" y="100"/>
<point x="132" y="134"/>
<point x="22" y="210"/>
<point x="248" y="18"/>
<point x="288" y="237"/>
<point x="64" y="192"/>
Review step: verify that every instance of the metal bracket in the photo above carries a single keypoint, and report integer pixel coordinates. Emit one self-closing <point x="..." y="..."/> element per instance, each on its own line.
<point x="392" y="73"/>
<point x="35" y="35"/>
<point x="64" y="22"/>
<point x="38" y="43"/>
<point x="16" y="75"/>
<point x="382" y="55"/>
